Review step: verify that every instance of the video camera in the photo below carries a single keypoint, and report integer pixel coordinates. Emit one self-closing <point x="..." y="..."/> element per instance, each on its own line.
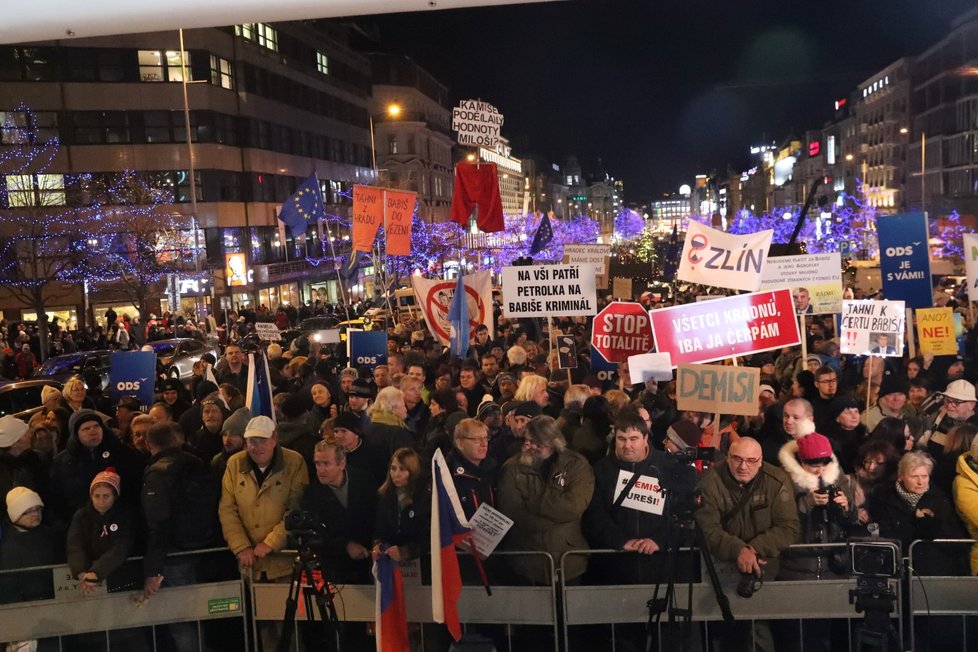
<point x="304" y="526"/>
<point x="679" y="479"/>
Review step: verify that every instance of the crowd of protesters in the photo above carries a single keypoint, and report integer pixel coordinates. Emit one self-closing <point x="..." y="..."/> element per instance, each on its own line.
<point x="840" y="446"/>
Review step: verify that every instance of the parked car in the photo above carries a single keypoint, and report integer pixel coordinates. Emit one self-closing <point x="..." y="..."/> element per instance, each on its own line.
<point x="22" y="398"/>
<point x="178" y="355"/>
<point x="320" y="323"/>
<point x="62" y="367"/>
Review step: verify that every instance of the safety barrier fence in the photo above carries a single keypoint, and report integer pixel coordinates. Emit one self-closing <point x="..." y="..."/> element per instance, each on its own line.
<point x="560" y="610"/>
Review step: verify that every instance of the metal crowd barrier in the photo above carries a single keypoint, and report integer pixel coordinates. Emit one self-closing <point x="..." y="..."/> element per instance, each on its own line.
<point x="627" y="603"/>
<point x="932" y="595"/>
<point x="508" y="605"/>
<point x="70" y="613"/>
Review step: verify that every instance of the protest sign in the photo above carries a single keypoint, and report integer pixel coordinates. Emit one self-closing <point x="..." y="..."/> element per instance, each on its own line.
<point x="489" y="526"/>
<point x="905" y="259"/>
<point x="621" y="288"/>
<point x="620" y="330"/>
<point x="133" y="373"/>
<point x="718" y="389"/>
<point x="650" y="366"/>
<point x="566" y="352"/>
<point x="645" y="496"/>
<point x="397" y="221"/>
<point x="368" y="214"/>
<point x="549" y="290"/>
<point x="594" y="254"/>
<point x="724" y="260"/>
<point x="872" y="327"/>
<point x="935" y="328"/>
<point x="267" y="331"/>
<point x="367" y="348"/>
<point x="477" y="123"/>
<point x="434" y="297"/>
<point x="604" y="370"/>
<point x="970" y="243"/>
<point x="815" y="281"/>
<point x="737" y="325"/>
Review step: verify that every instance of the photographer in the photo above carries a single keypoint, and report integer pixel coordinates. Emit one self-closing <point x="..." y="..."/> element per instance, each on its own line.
<point x="748" y="518"/>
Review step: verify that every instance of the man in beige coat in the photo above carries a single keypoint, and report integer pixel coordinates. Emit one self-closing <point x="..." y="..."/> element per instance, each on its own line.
<point x="261" y="484"/>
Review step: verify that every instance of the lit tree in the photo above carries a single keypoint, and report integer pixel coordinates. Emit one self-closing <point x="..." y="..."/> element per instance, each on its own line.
<point x="628" y="224"/>
<point x="951" y="239"/>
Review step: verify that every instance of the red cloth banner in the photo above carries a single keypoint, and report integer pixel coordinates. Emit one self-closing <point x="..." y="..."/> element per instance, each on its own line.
<point x="368" y="215"/>
<point x="737" y="325"/>
<point x="400" y="210"/>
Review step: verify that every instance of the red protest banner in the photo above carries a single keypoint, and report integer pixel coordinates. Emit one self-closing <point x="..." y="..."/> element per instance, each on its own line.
<point x="738" y="325"/>
<point x="622" y="330"/>
<point x="400" y="210"/>
<point x="368" y="213"/>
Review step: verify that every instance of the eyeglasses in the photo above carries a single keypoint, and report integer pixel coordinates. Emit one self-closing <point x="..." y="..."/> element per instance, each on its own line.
<point x="868" y="464"/>
<point x="829" y="381"/>
<point x="955" y="402"/>
<point x="478" y="440"/>
<point x="745" y="461"/>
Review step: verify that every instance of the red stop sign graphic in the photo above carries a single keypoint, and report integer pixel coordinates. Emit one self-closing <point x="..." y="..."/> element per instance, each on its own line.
<point x="621" y="330"/>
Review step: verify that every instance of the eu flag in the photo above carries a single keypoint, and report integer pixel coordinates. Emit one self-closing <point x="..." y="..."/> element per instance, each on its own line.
<point x="543" y="236"/>
<point x="303" y="208"/>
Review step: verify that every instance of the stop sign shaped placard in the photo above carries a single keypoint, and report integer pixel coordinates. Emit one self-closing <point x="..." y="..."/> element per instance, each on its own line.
<point x="621" y="330"/>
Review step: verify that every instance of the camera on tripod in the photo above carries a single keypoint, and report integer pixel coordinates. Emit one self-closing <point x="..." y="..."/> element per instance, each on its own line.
<point x="303" y="525"/>
<point x="875" y="558"/>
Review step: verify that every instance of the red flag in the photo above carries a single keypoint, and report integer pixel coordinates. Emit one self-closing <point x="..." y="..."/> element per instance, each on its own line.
<point x="368" y="213"/>
<point x="400" y="210"/>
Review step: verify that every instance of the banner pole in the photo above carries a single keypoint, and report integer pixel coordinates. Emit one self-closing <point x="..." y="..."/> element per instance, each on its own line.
<point x="336" y="267"/>
<point x="804" y="341"/>
<point x="909" y="330"/>
<point x="869" y="380"/>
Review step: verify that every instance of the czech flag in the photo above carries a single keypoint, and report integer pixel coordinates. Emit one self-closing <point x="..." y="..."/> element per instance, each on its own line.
<point x="449" y="527"/>
<point x="389" y="613"/>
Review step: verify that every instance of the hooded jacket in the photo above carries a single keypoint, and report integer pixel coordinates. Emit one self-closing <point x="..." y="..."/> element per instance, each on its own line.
<point x="966" y="501"/>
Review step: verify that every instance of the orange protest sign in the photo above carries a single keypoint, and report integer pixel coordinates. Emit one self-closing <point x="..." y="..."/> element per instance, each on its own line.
<point x="400" y="210"/>
<point x="368" y="214"/>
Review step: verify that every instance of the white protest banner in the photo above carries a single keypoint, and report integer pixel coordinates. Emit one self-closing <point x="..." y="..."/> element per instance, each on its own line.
<point x="268" y="332"/>
<point x="434" y="296"/>
<point x="645" y="496"/>
<point x="549" y="290"/>
<point x="489" y="526"/>
<point x="971" y="263"/>
<point x="477" y="123"/>
<point x="815" y="281"/>
<point x="595" y="254"/>
<point x="723" y="260"/>
<point x="650" y="366"/>
<point x="872" y="327"/>
<point x="327" y="336"/>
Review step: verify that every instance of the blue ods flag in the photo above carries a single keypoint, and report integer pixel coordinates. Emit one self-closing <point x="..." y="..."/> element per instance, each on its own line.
<point x="543" y="237"/>
<point x="259" y="397"/>
<point x="133" y="373"/>
<point x="905" y="259"/>
<point x="458" y="317"/>
<point x="367" y="348"/>
<point x="303" y="208"/>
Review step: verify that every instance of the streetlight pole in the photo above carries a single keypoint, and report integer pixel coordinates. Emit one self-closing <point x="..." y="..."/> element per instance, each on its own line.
<point x="193" y="179"/>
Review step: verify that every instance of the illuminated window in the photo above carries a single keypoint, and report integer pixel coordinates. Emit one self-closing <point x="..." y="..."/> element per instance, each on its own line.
<point x="221" y="74"/>
<point x="322" y="63"/>
<point x="162" y="65"/>
<point x="34" y="190"/>
<point x="260" y="33"/>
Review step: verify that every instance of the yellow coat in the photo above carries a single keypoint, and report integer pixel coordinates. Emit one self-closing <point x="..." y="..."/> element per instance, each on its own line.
<point x="251" y="514"/>
<point x="966" y="502"/>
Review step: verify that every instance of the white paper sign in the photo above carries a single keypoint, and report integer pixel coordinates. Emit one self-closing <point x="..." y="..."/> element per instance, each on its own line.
<point x="594" y="254"/>
<point x="549" y="290"/>
<point x="477" y="123"/>
<point x="650" y="366"/>
<point x="268" y="332"/>
<point x="489" y="526"/>
<point x="645" y="496"/>
<point x="815" y="281"/>
<point x="872" y="328"/>
<point x="723" y="260"/>
<point x="327" y="336"/>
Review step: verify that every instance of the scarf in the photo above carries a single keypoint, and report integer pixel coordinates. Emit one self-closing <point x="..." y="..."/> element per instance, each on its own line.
<point x="909" y="498"/>
<point x="387" y="419"/>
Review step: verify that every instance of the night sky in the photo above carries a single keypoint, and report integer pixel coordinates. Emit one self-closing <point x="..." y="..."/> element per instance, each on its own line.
<point x="661" y="91"/>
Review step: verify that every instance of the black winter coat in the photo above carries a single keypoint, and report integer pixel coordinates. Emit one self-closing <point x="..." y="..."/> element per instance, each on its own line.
<point x="24" y="549"/>
<point x="404" y="526"/>
<point x="474" y="484"/>
<point x="101" y="543"/>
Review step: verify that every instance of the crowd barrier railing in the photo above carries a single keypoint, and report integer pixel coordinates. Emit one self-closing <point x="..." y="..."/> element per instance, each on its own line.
<point x="936" y="595"/>
<point x="508" y="605"/>
<point x="70" y="613"/>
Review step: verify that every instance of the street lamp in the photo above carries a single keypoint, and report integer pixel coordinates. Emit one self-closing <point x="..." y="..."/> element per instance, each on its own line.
<point x="393" y="110"/>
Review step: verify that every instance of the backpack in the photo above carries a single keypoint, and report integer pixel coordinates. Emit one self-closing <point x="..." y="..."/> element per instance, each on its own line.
<point x="198" y="491"/>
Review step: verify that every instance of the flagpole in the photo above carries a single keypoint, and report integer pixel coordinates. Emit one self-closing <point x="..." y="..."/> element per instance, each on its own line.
<point x="336" y="268"/>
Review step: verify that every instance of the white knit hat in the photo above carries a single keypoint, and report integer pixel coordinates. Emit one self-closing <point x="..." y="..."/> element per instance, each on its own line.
<point x="19" y="500"/>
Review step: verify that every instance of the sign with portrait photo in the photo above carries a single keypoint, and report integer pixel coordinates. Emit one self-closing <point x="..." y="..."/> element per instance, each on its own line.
<point x="815" y="281"/>
<point x="872" y="327"/>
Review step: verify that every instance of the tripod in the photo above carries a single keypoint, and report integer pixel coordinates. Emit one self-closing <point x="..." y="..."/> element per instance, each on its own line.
<point x="683" y="531"/>
<point x="874" y="598"/>
<point x="306" y="562"/>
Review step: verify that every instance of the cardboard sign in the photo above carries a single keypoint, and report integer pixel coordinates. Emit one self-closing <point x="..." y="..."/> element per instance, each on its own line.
<point x="970" y="242"/>
<point x="650" y="366"/>
<point x="723" y="260"/>
<point x="549" y="290"/>
<point x="593" y="254"/>
<point x="489" y="526"/>
<point x="367" y="348"/>
<point x="935" y="330"/>
<point x="732" y="326"/>
<point x="645" y="496"/>
<point x="718" y="389"/>
<point x="905" y="259"/>
<point x="622" y="329"/>
<point x="566" y="352"/>
<point x="872" y="327"/>
<point x="133" y="373"/>
<point x="815" y="281"/>
<point x="267" y="331"/>
<point x="622" y="288"/>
